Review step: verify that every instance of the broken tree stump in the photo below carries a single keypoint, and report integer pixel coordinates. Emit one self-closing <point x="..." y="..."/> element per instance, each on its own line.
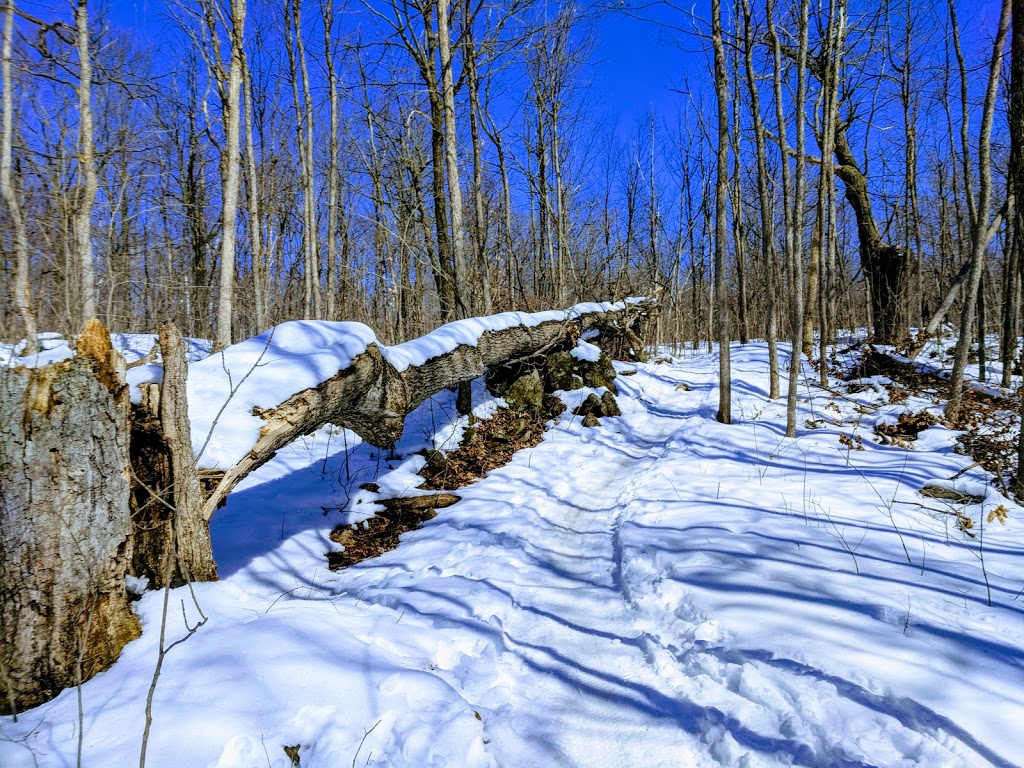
<point x="64" y="522"/>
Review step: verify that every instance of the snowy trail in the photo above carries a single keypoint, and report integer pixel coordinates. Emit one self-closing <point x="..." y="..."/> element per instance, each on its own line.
<point x="601" y="657"/>
<point x="593" y="696"/>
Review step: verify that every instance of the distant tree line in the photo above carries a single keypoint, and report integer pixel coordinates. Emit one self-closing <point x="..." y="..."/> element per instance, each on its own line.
<point x="404" y="163"/>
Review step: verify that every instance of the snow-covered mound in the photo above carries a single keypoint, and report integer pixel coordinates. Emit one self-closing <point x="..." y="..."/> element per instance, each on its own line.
<point x="662" y="590"/>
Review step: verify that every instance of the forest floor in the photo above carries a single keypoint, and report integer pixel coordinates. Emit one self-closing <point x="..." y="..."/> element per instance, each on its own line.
<point x="660" y="590"/>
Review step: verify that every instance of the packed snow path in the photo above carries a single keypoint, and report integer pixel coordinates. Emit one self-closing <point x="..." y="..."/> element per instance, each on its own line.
<point x="602" y="658"/>
<point x="660" y="591"/>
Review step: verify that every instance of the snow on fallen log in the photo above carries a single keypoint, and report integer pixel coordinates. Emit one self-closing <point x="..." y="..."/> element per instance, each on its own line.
<point x="255" y="397"/>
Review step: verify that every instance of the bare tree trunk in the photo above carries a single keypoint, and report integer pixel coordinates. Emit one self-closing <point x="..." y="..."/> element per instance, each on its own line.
<point x="22" y="289"/>
<point x="793" y="206"/>
<point x="64" y="522"/>
<point x="1009" y="327"/>
<point x="303" y="142"/>
<point x="451" y="158"/>
<point x="980" y="229"/>
<point x="796" y="265"/>
<point x="836" y="35"/>
<point x="309" y="180"/>
<point x="1016" y="183"/>
<point x="230" y="108"/>
<point x="738" y="227"/>
<point x="332" y="165"/>
<point x="768" y="256"/>
<point x="469" y="54"/>
<point x="86" y="166"/>
<point x="255" y="217"/>
<point x="721" y="229"/>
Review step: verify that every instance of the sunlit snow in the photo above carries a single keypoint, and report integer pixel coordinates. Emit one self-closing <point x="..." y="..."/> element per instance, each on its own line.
<point x="662" y="590"/>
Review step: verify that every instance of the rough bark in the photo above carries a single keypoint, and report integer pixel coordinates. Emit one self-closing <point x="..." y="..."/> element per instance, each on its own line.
<point x="885" y="265"/>
<point x="980" y="231"/>
<point x="768" y="257"/>
<point x="86" y="164"/>
<point x="229" y="176"/>
<point x="64" y="522"/>
<point x="166" y="498"/>
<point x="721" y="192"/>
<point x="372" y="399"/>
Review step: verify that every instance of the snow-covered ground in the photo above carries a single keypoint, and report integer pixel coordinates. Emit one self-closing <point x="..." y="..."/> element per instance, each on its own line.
<point x="662" y="590"/>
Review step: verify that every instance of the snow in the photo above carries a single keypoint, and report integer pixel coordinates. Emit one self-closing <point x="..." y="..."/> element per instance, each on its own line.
<point x="662" y="590"/>
<point x="262" y="372"/>
<point x="584" y="350"/>
<point x="468" y="332"/>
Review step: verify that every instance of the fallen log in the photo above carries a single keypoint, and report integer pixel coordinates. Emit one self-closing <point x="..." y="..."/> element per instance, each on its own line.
<point x="374" y="387"/>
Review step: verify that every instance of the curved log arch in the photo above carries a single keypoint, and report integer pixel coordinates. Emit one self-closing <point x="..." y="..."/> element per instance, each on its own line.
<point x="372" y="396"/>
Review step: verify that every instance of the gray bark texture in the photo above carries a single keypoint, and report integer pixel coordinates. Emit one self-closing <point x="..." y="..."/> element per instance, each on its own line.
<point x="64" y="522"/>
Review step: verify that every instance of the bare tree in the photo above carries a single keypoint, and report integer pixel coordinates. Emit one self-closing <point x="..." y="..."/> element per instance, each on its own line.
<point x="981" y="229"/>
<point x="229" y="87"/>
<point x="86" y="166"/>
<point x="304" y="143"/>
<point x="1016" y="120"/>
<point x="252" y="186"/>
<point x="327" y="12"/>
<point x="446" y="52"/>
<point x="721" y="226"/>
<point x="767" y="233"/>
<point x="22" y="289"/>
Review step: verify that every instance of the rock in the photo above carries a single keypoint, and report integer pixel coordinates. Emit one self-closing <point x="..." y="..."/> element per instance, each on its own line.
<point x="609" y="406"/>
<point x="590" y="420"/>
<point x="600" y="374"/>
<point x="592" y="405"/>
<point x="682" y="387"/>
<point x="526" y="393"/>
<point x="560" y="373"/>
<point x="551" y="407"/>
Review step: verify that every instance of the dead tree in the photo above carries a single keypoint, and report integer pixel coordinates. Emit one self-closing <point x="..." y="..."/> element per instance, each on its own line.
<point x="885" y="265"/>
<point x="64" y="522"/>
<point x="372" y="398"/>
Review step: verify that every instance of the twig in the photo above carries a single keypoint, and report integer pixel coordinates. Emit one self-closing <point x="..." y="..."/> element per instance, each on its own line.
<point x="367" y="733"/>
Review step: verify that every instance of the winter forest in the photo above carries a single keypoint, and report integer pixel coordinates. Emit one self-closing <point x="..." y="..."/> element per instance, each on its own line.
<point x="397" y="383"/>
<point x="233" y="165"/>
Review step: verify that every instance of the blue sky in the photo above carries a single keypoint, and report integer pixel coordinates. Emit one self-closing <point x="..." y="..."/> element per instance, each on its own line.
<point x="635" y="65"/>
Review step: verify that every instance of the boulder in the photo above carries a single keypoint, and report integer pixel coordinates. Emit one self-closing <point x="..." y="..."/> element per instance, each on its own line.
<point x="526" y="393"/>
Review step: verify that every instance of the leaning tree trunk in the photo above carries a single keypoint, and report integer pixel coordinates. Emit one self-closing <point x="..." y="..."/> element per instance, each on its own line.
<point x="64" y="522"/>
<point x="885" y="265"/>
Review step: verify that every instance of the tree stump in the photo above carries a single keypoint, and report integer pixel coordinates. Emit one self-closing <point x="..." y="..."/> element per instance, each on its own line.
<point x="166" y="500"/>
<point x="64" y="522"/>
